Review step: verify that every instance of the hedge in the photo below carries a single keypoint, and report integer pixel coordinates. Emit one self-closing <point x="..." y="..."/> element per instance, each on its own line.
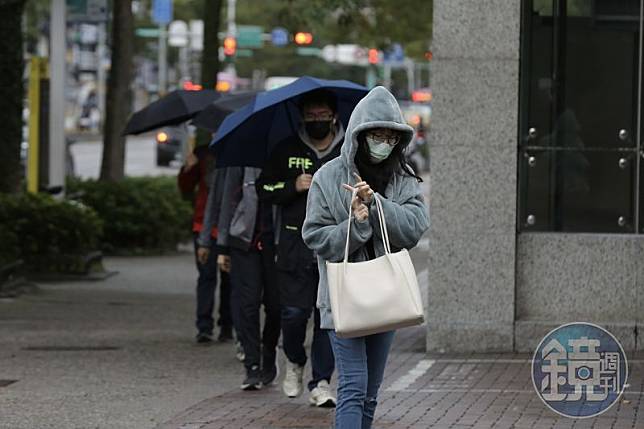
<point x="47" y="234"/>
<point x="139" y="214"/>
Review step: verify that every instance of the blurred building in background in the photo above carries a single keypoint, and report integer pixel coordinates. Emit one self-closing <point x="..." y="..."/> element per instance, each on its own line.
<point x="537" y="184"/>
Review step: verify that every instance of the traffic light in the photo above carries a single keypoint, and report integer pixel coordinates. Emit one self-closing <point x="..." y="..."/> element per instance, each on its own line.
<point x="230" y="46"/>
<point x="373" y="56"/>
<point x="302" y="38"/>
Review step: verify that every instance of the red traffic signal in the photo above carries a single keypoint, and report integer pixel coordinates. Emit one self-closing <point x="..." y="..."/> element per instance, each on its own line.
<point x="189" y="86"/>
<point x="302" y="38"/>
<point x="230" y="46"/>
<point x="373" y="56"/>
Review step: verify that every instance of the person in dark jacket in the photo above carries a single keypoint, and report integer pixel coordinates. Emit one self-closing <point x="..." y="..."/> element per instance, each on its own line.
<point x="284" y="182"/>
<point x="196" y="174"/>
<point x="245" y="247"/>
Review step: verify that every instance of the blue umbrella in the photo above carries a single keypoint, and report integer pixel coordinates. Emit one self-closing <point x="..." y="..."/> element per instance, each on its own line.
<point x="247" y="136"/>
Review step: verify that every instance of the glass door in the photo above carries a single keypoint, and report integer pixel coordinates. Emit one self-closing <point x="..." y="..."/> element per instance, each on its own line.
<point x="579" y="119"/>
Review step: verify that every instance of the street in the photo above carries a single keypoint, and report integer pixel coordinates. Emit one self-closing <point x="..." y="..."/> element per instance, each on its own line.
<point x="140" y="157"/>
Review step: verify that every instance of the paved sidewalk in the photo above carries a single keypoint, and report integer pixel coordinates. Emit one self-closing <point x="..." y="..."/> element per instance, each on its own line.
<point x="424" y="391"/>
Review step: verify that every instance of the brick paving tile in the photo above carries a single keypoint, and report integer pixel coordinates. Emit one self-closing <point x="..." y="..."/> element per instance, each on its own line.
<point x="456" y="391"/>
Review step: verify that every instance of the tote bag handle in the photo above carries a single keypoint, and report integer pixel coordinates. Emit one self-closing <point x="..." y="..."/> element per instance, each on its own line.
<point x="381" y="221"/>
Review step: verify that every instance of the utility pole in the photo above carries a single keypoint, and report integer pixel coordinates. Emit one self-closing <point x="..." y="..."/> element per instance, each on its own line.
<point x="57" y="144"/>
<point x="162" y="16"/>
<point x="100" y="72"/>
<point x="163" y="59"/>
<point x="231" y="31"/>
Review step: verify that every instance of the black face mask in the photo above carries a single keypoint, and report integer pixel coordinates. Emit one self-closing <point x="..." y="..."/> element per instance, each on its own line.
<point x="318" y="129"/>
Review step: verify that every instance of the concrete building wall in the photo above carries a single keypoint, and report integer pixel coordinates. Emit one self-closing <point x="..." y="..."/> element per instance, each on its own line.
<point x="491" y="289"/>
<point x="475" y="81"/>
<point x="565" y="278"/>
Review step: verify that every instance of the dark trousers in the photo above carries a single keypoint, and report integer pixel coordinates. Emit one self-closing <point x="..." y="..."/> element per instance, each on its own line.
<point x="252" y="275"/>
<point x="294" y="322"/>
<point x="206" y="287"/>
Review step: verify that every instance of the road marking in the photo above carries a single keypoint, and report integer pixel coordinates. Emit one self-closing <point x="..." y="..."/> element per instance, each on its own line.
<point x="414" y="374"/>
<point x="423" y="244"/>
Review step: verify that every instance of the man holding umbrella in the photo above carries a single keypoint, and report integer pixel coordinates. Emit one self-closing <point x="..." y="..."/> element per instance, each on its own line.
<point x="284" y="182"/>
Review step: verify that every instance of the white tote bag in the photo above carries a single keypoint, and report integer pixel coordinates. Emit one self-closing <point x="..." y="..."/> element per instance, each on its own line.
<point x="374" y="296"/>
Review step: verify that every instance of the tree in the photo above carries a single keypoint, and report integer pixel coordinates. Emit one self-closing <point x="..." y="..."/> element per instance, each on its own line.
<point x="210" y="53"/>
<point x="375" y="23"/>
<point x="11" y="93"/>
<point x="119" y="93"/>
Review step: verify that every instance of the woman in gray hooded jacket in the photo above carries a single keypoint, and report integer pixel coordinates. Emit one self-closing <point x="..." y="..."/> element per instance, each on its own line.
<point x="371" y="162"/>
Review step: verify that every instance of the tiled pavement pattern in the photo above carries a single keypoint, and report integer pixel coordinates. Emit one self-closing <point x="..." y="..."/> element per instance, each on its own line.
<point x="424" y="391"/>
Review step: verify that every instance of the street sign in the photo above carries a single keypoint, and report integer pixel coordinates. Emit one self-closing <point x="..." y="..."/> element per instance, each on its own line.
<point x="162" y="11"/>
<point x="244" y="53"/>
<point x="196" y="35"/>
<point x="345" y="54"/>
<point x="178" y="34"/>
<point x="309" y="52"/>
<point x="151" y="33"/>
<point x="87" y="10"/>
<point x="394" y="55"/>
<point x="249" y="36"/>
<point x="329" y="53"/>
<point x="279" y="36"/>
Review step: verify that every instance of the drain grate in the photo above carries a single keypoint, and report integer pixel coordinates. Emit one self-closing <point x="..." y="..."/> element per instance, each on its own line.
<point x="5" y="383"/>
<point x="71" y="348"/>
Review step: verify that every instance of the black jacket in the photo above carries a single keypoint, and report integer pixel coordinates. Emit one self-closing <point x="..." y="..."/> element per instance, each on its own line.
<point x="276" y="185"/>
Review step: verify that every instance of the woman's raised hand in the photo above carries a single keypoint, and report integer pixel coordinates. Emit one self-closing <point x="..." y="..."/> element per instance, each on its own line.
<point x="360" y="210"/>
<point x="364" y="190"/>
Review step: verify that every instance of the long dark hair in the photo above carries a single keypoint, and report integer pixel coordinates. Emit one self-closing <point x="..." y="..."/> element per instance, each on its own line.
<point x="378" y="175"/>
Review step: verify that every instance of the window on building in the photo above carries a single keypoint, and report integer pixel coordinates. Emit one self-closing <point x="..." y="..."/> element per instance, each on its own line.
<point x="579" y="149"/>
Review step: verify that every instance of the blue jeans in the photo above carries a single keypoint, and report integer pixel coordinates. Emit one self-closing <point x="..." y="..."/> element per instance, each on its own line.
<point x="294" y="320"/>
<point x="361" y="366"/>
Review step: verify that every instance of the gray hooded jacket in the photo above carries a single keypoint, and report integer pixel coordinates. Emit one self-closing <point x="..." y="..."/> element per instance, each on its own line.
<point x="328" y="204"/>
<point x="232" y="207"/>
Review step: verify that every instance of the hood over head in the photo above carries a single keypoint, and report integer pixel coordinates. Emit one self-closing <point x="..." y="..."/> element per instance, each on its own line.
<point x="378" y="109"/>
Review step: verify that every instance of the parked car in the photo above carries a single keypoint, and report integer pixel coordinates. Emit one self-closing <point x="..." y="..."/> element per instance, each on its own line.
<point x="170" y="142"/>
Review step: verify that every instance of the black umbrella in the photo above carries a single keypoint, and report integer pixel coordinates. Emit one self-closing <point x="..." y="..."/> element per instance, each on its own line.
<point x="212" y="116"/>
<point x="173" y="109"/>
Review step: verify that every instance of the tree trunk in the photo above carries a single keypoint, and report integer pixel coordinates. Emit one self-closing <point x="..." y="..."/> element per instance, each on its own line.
<point x="11" y="94"/>
<point x="118" y="100"/>
<point x="210" y="53"/>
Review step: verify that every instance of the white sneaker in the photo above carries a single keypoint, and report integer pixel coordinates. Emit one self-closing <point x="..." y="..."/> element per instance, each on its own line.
<point x="321" y="395"/>
<point x="292" y="384"/>
<point x="239" y="352"/>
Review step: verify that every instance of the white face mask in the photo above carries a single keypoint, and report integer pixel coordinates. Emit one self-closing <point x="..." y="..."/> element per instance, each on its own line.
<point x="378" y="151"/>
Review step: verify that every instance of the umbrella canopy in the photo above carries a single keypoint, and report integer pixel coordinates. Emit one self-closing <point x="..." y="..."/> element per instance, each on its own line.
<point x="247" y="136"/>
<point x="173" y="109"/>
<point x="212" y="116"/>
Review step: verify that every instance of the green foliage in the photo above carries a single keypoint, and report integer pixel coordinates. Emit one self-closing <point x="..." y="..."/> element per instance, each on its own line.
<point x="374" y="23"/>
<point x="35" y="15"/>
<point x="49" y="235"/>
<point x="11" y="93"/>
<point x="140" y="215"/>
<point x="371" y="23"/>
<point x="9" y="251"/>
